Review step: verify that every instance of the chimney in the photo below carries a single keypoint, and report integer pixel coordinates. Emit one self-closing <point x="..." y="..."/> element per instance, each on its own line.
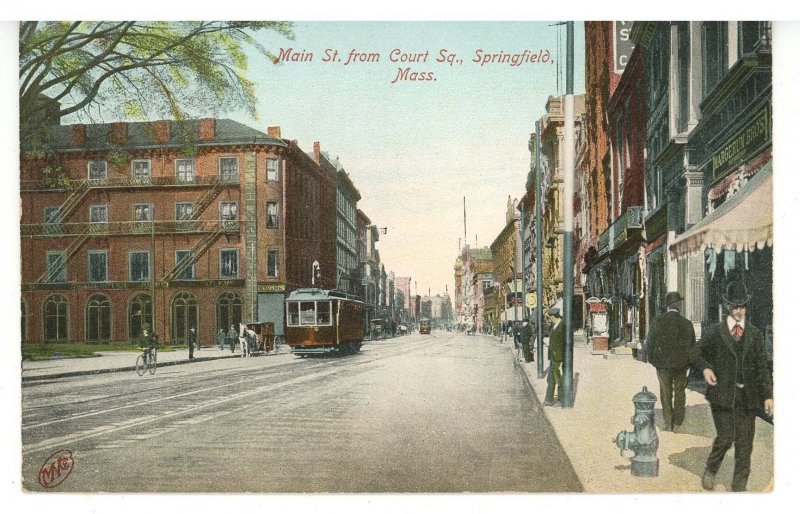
<point x="161" y="131"/>
<point x="79" y="135"/>
<point x="316" y="152"/>
<point x="119" y="133"/>
<point x="274" y="132"/>
<point x="207" y="126"/>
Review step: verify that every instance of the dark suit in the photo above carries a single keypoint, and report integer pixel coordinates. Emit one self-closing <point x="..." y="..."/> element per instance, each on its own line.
<point x="743" y="383"/>
<point x="670" y="343"/>
<point x="555" y="352"/>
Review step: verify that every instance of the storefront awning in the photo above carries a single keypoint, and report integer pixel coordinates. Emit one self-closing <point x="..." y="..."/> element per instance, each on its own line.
<point x="742" y="222"/>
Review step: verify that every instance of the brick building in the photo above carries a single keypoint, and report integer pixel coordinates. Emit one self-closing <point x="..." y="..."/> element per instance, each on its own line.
<point x="179" y="224"/>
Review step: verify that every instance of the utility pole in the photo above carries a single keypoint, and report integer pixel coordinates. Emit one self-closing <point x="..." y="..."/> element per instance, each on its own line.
<point x="567" y="400"/>
<point x="539" y="285"/>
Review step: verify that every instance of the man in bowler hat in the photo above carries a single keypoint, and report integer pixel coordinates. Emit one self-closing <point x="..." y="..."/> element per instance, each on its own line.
<point x="670" y="343"/>
<point x="734" y="363"/>
<point x="555" y="352"/>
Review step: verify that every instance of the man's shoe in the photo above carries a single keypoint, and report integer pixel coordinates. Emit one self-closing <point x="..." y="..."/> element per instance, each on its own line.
<point x="549" y="403"/>
<point x="708" y="480"/>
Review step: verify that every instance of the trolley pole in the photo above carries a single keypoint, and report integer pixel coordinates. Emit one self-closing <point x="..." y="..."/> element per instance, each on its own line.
<point x="567" y="400"/>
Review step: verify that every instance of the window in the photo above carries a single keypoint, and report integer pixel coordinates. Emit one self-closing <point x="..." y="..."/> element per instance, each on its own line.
<point x="139" y="266"/>
<point x="293" y="314"/>
<point x="143" y="212"/>
<point x="98" y="170"/>
<point x="272" y="215"/>
<point x="715" y="53"/>
<point x="228" y="210"/>
<point x="56" y="267"/>
<point x="55" y="318"/>
<point x="52" y="218"/>
<point x="229" y="169"/>
<point x="229" y="263"/>
<point x="229" y="311"/>
<point x="184" y="316"/>
<point x="140" y="170"/>
<point x="140" y="311"/>
<point x="748" y="37"/>
<point x="184" y="211"/>
<point x="188" y="268"/>
<point x="98" y="318"/>
<point x="684" y="63"/>
<point x="98" y="266"/>
<point x="184" y="170"/>
<point x="308" y="313"/>
<point x="272" y="262"/>
<point x="98" y="214"/>
<point x="323" y="313"/>
<point x="272" y="169"/>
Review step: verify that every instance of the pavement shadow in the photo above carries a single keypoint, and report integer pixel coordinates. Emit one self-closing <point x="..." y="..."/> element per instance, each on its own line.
<point x="692" y="460"/>
<point x="698" y="421"/>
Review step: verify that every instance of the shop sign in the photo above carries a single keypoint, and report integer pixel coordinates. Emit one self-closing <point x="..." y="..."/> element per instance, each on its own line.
<point x="271" y="288"/>
<point x="623" y="45"/>
<point x="750" y="139"/>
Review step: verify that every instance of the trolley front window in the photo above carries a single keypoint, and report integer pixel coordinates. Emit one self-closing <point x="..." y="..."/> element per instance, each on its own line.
<point x="294" y="314"/>
<point x="309" y="313"/>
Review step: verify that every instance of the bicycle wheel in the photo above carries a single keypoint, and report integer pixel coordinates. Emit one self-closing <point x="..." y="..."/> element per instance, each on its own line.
<point x="153" y="362"/>
<point x="140" y="365"/>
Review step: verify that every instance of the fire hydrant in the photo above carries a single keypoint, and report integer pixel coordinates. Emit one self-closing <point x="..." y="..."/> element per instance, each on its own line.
<point x="643" y="441"/>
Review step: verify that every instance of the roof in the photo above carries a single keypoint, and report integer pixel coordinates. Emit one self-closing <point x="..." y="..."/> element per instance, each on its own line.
<point x="315" y="293"/>
<point x="142" y="135"/>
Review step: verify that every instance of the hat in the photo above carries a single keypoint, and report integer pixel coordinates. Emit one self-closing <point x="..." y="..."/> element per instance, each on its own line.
<point x="672" y="297"/>
<point x="555" y="310"/>
<point x="735" y="293"/>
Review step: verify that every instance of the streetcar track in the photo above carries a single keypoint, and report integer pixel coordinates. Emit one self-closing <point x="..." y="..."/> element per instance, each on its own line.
<point x="339" y="364"/>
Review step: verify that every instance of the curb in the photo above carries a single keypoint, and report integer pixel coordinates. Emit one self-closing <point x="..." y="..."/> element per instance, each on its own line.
<point x="123" y="368"/>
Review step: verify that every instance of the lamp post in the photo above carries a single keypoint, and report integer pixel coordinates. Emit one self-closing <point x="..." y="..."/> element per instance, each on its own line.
<point x="315" y="270"/>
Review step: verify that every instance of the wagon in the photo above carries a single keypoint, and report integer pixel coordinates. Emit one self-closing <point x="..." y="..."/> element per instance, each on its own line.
<point x="265" y="337"/>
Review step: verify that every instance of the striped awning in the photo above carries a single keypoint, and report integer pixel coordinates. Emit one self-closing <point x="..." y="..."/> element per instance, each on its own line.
<point x="744" y="222"/>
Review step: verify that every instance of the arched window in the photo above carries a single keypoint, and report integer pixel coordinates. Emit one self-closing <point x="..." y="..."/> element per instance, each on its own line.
<point x="229" y="311"/>
<point x="98" y="318"/>
<point x="140" y="311"/>
<point x="55" y="318"/>
<point x="24" y="320"/>
<point x="184" y="317"/>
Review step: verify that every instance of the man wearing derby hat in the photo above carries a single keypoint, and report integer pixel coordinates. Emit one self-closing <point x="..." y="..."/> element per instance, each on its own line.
<point x="555" y="352"/>
<point x="670" y="343"/>
<point x="734" y="363"/>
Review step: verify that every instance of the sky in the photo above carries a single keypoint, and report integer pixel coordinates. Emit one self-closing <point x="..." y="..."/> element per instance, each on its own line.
<point x="416" y="149"/>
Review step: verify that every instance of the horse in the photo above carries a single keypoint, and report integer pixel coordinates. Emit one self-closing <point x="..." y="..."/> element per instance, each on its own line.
<point x="243" y="340"/>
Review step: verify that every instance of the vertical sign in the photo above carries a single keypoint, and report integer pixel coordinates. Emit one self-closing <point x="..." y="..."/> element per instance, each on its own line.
<point x="250" y="238"/>
<point x="623" y="46"/>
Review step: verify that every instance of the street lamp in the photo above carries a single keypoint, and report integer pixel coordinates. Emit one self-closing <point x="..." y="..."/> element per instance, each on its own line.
<point x="315" y="271"/>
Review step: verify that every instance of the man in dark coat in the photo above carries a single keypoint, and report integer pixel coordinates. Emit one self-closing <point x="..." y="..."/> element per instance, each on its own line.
<point x="670" y="343"/>
<point x="231" y="337"/>
<point x="192" y="340"/>
<point x="555" y="352"/>
<point x="526" y="334"/>
<point x="734" y="363"/>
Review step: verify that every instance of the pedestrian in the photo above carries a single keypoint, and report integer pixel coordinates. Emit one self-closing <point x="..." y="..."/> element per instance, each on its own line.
<point x="526" y="333"/>
<point x="231" y="338"/>
<point x="191" y="339"/>
<point x="670" y="345"/>
<point x="734" y="363"/>
<point x="555" y="352"/>
<point x="221" y="339"/>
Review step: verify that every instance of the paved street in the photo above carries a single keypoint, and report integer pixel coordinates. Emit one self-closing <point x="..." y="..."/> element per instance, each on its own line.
<point x="438" y="413"/>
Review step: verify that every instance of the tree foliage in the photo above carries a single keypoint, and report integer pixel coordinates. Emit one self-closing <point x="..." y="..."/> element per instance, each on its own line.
<point x="137" y="70"/>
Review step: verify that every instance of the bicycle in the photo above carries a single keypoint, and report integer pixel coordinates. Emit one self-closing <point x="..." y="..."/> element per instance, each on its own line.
<point x="147" y="361"/>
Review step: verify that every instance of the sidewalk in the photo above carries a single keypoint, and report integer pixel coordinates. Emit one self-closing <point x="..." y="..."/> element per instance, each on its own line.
<point x="604" y="387"/>
<point x="110" y="362"/>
